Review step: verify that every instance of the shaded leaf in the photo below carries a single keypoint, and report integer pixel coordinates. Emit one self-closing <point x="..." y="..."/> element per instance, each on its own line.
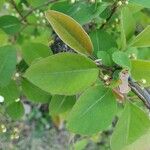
<point x="127" y="26"/>
<point x="82" y="11"/>
<point x="15" y="110"/>
<point x="35" y="94"/>
<point x="10" y="24"/>
<point x="93" y="111"/>
<point x="32" y="51"/>
<point x="70" y="32"/>
<point x="60" y="104"/>
<point x="7" y="64"/>
<point x="63" y="74"/>
<point x="10" y="92"/>
<point x="102" y="41"/>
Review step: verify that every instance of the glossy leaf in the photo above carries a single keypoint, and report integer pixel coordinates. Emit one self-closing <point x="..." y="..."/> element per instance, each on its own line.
<point x="121" y="59"/>
<point x="15" y="110"/>
<point x="142" y="39"/>
<point x="7" y="64"/>
<point x="70" y="32"/>
<point x="63" y="74"/>
<point x="132" y="125"/>
<point x="60" y="104"/>
<point x="33" y="51"/>
<point x="93" y="111"/>
<point x="35" y="94"/>
<point x="141" y="70"/>
<point x="10" y="24"/>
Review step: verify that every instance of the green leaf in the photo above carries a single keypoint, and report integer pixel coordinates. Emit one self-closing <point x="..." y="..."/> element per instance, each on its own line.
<point x="32" y="51"/>
<point x="63" y="74"/>
<point x="10" y="92"/>
<point x="102" y="41"/>
<point x="132" y="125"/>
<point x="93" y="111"/>
<point x="10" y="24"/>
<point x="35" y="94"/>
<point x="127" y="26"/>
<point x="15" y="110"/>
<point x="106" y="59"/>
<point x="142" y="39"/>
<point x="145" y="3"/>
<point x="82" y="11"/>
<point x="37" y="3"/>
<point x="3" y="37"/>
<point x="7" y="64"/>
<point x="141" y="70"/>
<point x="80" y="145"/>
<point x="60" y="104"/>
<point x="121" y="59"/>
<point x="70" y="32"/>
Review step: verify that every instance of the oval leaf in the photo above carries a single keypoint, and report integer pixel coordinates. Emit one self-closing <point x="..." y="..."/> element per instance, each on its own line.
<point x="93" y="111"/>
<point x="63" y="74"/>
<point x="121" y="59"/>
<point x="70" y="32"/>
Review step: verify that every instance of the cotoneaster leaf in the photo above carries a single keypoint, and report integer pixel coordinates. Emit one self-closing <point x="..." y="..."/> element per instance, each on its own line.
<point x="70" y="32"/>
<point x="63" y="74"/>
<point x="93" y="111"/>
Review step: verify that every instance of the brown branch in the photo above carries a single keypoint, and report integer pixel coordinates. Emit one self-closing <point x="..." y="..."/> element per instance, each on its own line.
<point x="18" y="11"/>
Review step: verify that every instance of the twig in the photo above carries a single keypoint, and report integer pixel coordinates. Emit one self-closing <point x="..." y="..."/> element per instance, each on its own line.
<point x="113" y="10"/>
<point x="43" y="5"/>
<point x="142" y="93"/>
<point x="16" y="8"/>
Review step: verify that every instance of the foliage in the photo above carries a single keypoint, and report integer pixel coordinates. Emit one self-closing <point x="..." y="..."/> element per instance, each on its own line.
<point x="107" y="44"/>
